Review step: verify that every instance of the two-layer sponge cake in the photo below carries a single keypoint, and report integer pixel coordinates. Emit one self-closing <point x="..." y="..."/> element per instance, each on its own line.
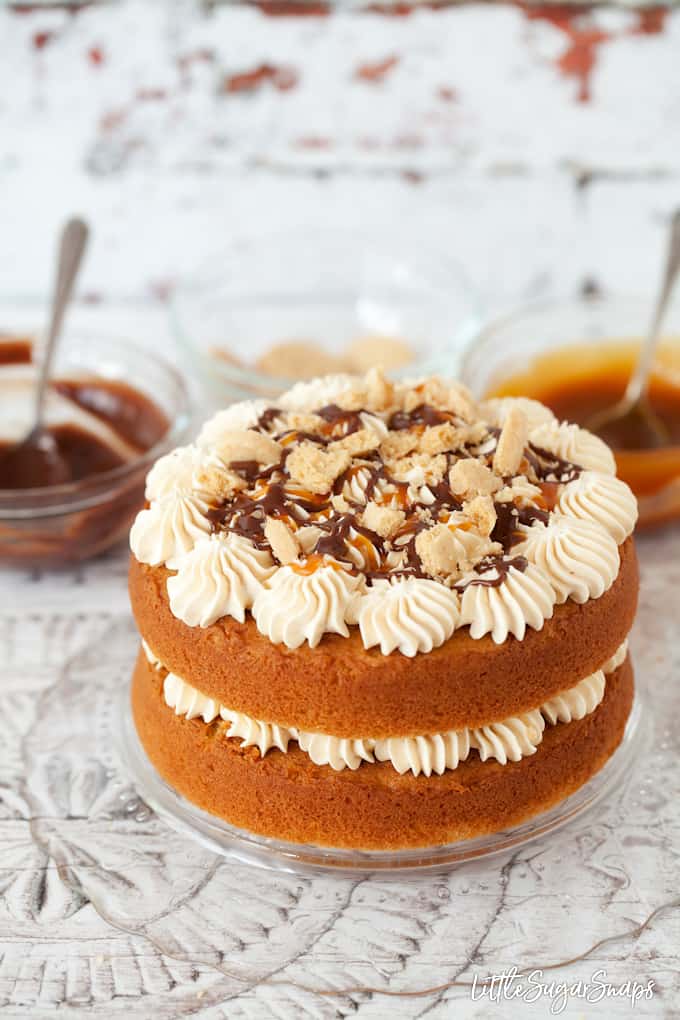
<point x="381" y="615"/>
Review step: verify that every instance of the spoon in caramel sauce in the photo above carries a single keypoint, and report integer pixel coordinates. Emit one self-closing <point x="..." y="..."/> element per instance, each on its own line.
<point x="35" y="461"/>
<point x="634" y="411"/>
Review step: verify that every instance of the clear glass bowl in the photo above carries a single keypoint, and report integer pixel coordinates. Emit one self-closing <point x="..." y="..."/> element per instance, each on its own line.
<point x="516" y="351"/>
<point x="326" y="288"/>
<point x="61" y="524"/>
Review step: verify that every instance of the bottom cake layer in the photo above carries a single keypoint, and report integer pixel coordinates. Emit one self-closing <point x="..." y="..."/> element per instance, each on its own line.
<point x="288" y="797"/>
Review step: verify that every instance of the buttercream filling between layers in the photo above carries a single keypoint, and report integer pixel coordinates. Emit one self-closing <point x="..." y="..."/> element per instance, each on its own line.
<point x="508" y="740"/>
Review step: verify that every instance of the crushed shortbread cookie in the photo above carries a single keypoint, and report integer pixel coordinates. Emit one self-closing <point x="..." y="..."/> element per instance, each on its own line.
<point x="412" y="398"/>
<point x="439" y="552"/>
<point x="469" y="478"/>
<point x="481" y="512"/>
<point x="461" y="402"/>
<point x="379" y="391"/>
<point x="216" y="482"/>
<point x="340" y="504"/>
<point x="521" y="491"/>
<point x="442" y="395"/>
<point x="305" y="422"/>
<point x="423" y="513"/>
<point x="383" y="521"/>
<point x="236" y="445"/>
<point x="441" y="438"/>
<point x="282" y="540"/>
<point x="398" y="444"/>
<point x="353" y="399"/>
<point x="419" y="469"/>
<point x="358" y="443"/>
<point x="316" y="468"/>
<point x="511" y="443"/>
<point x="473" y="434"/>
<point x="376" y="394"/>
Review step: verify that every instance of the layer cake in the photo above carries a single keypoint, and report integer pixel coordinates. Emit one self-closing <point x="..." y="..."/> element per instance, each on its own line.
<point x="383" y="615"/>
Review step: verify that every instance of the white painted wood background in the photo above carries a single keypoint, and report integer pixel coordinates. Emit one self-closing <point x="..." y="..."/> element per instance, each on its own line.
<point x="117" y="112"/>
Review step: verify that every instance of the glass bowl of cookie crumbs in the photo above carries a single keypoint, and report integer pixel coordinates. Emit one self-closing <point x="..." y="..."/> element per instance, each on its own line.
<point x="271" y="310"/>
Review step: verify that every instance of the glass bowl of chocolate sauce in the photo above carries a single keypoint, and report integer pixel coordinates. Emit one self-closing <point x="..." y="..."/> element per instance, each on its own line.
<point x="112" y="409"/>
<point x="576" y="355"/>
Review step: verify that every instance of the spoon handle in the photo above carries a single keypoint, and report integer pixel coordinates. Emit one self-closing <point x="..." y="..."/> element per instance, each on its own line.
<point x="71" y="249"/>
<point x="639" y="381"/>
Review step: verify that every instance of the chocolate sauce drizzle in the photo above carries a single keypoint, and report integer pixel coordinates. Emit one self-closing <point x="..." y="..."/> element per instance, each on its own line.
<point x="335" y="416"/>
<point x="443" y="499"/>
<point x="500" y="565"/>
<point x="336" y="534"/>
<point x="267" y="418"/>
<point x="423" y="414"/>
<point x="377" y="473"/>
<point x="412" y="566"/>
<point x="246" y="513"/>
<point x="508" y="519"/>
<point x="548" y="467"/>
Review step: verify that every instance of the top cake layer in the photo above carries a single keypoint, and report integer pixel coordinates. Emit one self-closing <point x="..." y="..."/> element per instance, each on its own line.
<point x="405" y="511"/>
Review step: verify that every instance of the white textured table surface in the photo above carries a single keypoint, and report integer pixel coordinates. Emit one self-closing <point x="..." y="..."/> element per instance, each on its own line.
<point x="106" y="910"/>
<point x="473" y="139"/>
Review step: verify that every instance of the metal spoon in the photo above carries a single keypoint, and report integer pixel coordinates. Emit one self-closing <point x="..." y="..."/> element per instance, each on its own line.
<point x="35" y="461"/>
<point x="634" y="406"/>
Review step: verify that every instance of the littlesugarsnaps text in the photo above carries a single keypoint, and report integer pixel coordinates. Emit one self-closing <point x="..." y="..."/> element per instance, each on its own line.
<point x="511" y="985"/>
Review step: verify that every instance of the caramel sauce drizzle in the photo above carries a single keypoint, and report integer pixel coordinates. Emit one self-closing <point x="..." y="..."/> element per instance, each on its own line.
<point x="341" y="533"/>
<point x="312" y="563"/>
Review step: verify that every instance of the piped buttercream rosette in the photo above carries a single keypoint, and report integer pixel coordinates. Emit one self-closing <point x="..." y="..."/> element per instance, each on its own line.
<point x="169" y="528"/>
<point x="580" y="559"/>
<point x="505" y="600"/>
<point x="220" y="576"/>
<point x="410" y="614"/>
<point x="571" y="443"/>
<point x="297" y="607"/>
<point x="604" y="499"/>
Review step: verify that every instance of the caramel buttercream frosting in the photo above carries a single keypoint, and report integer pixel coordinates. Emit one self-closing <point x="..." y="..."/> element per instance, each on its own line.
<point x="405" y="510"/>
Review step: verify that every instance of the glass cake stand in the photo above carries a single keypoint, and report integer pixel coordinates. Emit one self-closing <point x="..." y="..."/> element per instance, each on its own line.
<point x="266" y="852"/>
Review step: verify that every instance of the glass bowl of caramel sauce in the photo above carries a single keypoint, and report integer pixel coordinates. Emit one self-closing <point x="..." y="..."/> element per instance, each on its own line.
<point x="576" y="356"/>
<point x="112" y="408"/>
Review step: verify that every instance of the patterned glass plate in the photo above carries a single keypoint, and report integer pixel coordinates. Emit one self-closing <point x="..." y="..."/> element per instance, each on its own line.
<point x="265" y="852"/>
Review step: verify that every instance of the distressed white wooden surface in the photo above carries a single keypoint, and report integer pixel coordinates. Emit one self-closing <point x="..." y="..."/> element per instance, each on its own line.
<point x="104" y="910"/>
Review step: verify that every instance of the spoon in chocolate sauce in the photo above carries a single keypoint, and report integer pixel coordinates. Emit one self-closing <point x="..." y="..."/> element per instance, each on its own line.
<point x="35" y="462"/>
